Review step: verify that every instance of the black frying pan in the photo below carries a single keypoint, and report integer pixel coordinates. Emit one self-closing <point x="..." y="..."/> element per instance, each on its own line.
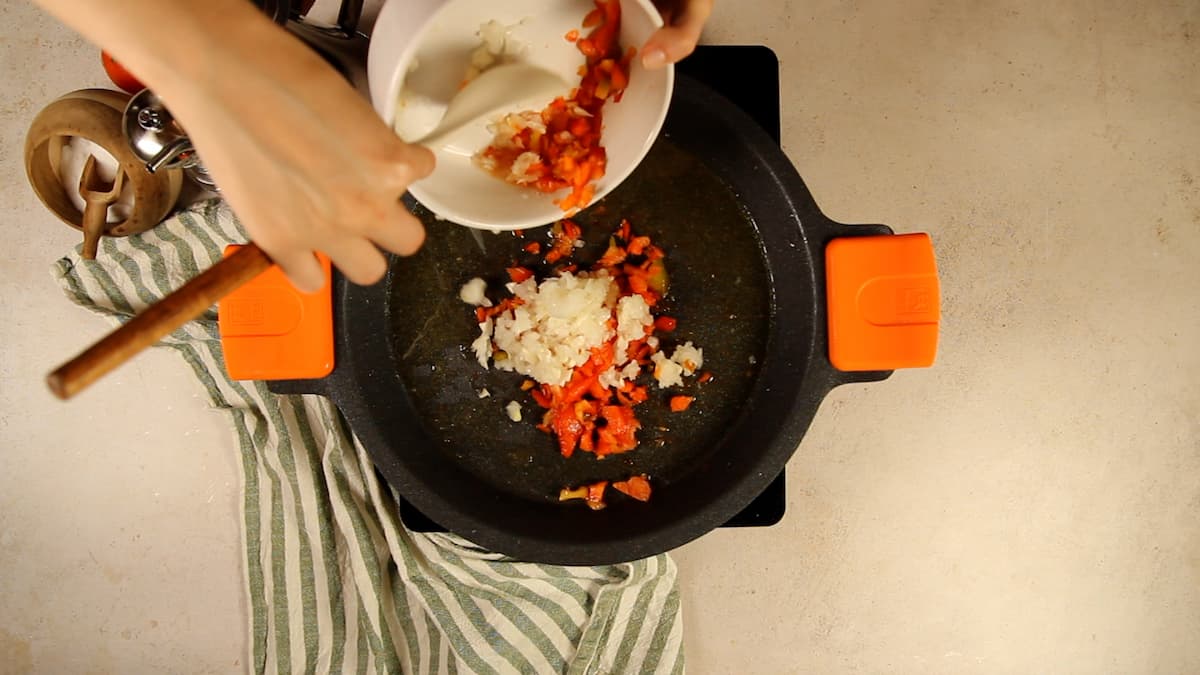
<point x="745" y="253"/>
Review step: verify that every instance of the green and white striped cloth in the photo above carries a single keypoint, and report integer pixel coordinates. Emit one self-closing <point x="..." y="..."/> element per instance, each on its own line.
<point x="334" y="581"/>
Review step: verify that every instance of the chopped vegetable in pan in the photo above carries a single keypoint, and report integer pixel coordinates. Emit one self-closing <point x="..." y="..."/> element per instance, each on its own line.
<point x="681" y="403"/>
<point x="588" y="342"/>
<point x="637" y="487"/>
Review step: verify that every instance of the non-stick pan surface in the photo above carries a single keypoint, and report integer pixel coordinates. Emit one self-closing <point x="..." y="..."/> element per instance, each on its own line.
<point x="744" y="249"/>
<point x="719" y="291"/>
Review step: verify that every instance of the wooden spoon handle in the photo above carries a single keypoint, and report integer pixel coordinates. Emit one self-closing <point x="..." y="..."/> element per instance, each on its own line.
<point x="158" y="320"/>
<point x="95" y="221"/>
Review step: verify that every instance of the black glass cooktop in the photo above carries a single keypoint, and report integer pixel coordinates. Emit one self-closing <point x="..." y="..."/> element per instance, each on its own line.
<point x="748" y="76"/>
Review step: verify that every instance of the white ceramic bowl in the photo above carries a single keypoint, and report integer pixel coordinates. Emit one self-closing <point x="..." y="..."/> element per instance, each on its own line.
<point x="429" y="44"/>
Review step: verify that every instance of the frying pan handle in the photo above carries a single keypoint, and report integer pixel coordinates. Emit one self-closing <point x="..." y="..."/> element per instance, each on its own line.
<point x="882" y="299"/>
<point x="328" y="384"/>
<point x="286" y="387"/>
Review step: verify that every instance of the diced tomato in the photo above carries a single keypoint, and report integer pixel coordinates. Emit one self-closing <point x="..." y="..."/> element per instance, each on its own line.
<point x="534" y="247"/>
<point x="572" y="35"/>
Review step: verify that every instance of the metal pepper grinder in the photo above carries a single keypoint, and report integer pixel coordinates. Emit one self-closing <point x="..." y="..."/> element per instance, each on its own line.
<point x="161" y="142"/>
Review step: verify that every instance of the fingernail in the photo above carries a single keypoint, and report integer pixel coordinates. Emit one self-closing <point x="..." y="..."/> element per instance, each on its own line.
<point x="655" y="58"/>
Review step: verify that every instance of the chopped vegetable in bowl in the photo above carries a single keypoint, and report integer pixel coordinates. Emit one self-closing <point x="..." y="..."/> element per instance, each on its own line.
<point x="559" y="147"/>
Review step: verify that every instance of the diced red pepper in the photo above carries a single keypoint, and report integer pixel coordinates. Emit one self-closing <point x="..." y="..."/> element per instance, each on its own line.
<point x="583" y="413"/>
<point x="665" y="323"/>
<point x="568" y="430"/>
<point x="595" y="495"/>
<point x="519" y="274"/>
<point x="638" y="245"/>
<point x="533" y="247"/>
<point x="619" y="432"/>
<point x="574" y="159"/>
<point x="542" y="398"/>
<point x="580" y="126"/>
<point x="637" y="282"/>
<point x="681" y="403"/>
<point x="613" y="256"/>
<point x="637" y="487"/>
<point x="625" y="232"/>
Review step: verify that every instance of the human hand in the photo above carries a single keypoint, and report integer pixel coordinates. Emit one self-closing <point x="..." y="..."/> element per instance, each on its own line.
<point x="683" y="20"/>
<point x="308" y="166"/>
<point x="305" y="163"/>
<point x="300" y="156"/>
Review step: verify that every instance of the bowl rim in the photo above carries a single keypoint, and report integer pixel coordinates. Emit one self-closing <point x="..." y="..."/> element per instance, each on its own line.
<point x="385" y="106"/>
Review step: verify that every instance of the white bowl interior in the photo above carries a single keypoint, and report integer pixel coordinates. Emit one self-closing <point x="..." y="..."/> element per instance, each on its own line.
<point x="427" y="59"/>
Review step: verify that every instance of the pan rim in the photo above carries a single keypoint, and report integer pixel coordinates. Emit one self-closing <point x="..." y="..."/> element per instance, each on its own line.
<point x="792" y="381"/>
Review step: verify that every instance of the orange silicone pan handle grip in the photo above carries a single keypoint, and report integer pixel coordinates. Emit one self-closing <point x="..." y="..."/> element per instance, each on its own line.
<point x="884" y="302"/>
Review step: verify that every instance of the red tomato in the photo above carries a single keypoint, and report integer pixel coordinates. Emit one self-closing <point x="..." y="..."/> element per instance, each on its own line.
<point x="119" y="76"/>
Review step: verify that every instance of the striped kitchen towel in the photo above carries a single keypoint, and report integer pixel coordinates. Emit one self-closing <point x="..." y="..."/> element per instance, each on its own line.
<point x="334" y="581"/>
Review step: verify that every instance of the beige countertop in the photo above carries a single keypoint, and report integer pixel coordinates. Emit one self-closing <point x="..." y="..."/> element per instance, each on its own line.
<point x="1028" y="505"/>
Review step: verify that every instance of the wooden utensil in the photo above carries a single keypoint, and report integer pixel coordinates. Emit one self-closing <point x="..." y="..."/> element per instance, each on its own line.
<point x="95" y="115"/>
<point x="98" y="196"/>
<point x="158" y="320"/>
